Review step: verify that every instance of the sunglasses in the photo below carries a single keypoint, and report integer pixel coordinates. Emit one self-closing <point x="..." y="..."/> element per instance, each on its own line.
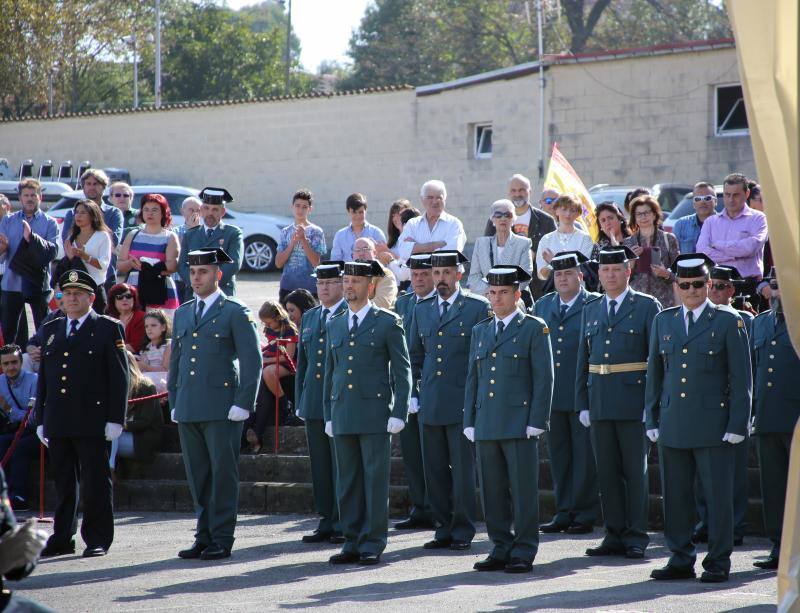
<point x="695" y="284"/>
<point x="720" y="287"/>
<point x="548" y="200"/>
<point x="121" y="195"/>
<point x="703" y="198"/>
<point x="124" y="297"/>
<point x="500" y="215"/>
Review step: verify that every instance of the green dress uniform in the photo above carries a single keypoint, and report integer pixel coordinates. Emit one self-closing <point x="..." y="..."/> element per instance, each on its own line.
<point x="410" y="441"/>
<point x="698" y="389"/>
<point x="309" y="382"/>
<point x="509" y="389"/>
<point x="215" y="365"/>
<point x="367" y="381"/>
<point x="610" y="383"/>
<point x="570" y="446"/>
<point x="777" y="409"/>
<point x="439" y="361"/>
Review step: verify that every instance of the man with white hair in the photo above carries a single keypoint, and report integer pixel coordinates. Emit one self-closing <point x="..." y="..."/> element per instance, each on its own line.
<point x="434" y="230"/>
<point x="385" y="292"/>
<point x="531" y="222"/>
<point x="190" y="210"/>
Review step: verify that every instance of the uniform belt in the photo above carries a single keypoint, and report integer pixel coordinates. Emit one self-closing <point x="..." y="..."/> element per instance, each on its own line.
<point x="610" y="369"/>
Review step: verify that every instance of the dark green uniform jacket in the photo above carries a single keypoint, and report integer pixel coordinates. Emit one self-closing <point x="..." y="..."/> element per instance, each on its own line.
<point x="228" y="238"/>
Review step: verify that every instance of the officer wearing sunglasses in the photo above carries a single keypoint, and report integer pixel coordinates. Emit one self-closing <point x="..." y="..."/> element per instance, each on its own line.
<point x="697" y="404"/>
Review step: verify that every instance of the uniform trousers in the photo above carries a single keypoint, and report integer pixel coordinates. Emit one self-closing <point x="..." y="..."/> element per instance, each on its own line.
<point x="449" y="463"/>
<point x="620" y="451"/>
<point x="741" y="457"/>
<point x="411" y="446"/>
<point x="508" y="471"/>
<point x="211" y="456"/>
<point x="323" y="475"/>
<point x="362" y="488"/>
<point x="773" y="462"/>
<point x="84" y="460"/>
<point x="714" y="467"/>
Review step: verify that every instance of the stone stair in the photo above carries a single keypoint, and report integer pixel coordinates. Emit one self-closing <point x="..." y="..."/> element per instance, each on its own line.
<point x="281" y="483"/>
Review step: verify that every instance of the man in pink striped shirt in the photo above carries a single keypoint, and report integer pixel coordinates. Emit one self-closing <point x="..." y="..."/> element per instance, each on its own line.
<point x="736" y="235"/>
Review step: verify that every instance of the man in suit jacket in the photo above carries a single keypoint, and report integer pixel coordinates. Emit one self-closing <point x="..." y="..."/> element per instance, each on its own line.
<point x="367" y="390"/>
<point x="81" y="397"/>
<point x="777" y="408"/>
<point x="571" y="460"/>
<point x="440" y="333"/>
<point x="507" y="401"/>
<point x="213" y="233"/>
<point x="698" y="405"/>
<point x="609" y="396"/>
<point x="214" y="373"/>
<point x="422" y="288"/>
<point x="538" y="222"/>
<point x="309" y="382"/>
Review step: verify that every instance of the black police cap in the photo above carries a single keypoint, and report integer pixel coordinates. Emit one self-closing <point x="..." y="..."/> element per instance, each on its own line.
<point x="215" y="195"/>
<point x="564" y="260"/>
<point x="208" y="256"/>
<point x="329" y="269"/>
<point x="689" y="265"/>
<point x="506" y="275"/>
<point x="443" y="259"/>
<point x="726" y="273"/>
<point x="616" y="255"/>
<point x="77" y="279"/>
<point x="364" y="268"/>
<point x="419" y="260"/>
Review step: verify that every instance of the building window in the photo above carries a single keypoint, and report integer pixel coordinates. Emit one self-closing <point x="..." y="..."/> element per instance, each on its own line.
<point x="730" y="118"/>
<point x="483" y="141"/>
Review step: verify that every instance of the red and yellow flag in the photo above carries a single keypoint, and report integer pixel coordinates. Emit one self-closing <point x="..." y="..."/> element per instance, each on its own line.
<point x="561" y="176"/>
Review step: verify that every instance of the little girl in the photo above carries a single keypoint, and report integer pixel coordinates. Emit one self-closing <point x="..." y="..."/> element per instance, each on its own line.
<point x="153" y="360"/>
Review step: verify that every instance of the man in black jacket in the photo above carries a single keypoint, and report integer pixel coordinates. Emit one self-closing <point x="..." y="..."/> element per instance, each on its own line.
<point x="81" y="399"/>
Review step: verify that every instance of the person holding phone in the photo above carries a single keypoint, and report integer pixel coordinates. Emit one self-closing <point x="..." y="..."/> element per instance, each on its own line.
<point x="656" y="251"/>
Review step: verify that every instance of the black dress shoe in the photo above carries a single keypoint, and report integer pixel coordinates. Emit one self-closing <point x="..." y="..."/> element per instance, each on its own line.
<point x="580" y="529"/>
<point x="437" y="544"/>
<point x="714" y="576"/>
<point x="489" y="564"/>
<point x="94" y="552"/>
<point x="738" y="541"/>
<point x="413" y="523"/>
<point x="52" y="550"/>
<point x="345" y="557"/>
<point x="215" y="552"/>
<point x="553" y="527"/>
<point x="604" y="550"/>
<point x="337" y="538"/>
<point x="518" y="565"/>
<point x="18" y="503"/>
<point x="369" y="559"/>
<point x="193" y="552"/>
<point x="316" y="537"/>
<point x="634" y="553"/>
<point x="460" y="545"/>
<point x="771" y="563"/>
<point x="670" y="572"/>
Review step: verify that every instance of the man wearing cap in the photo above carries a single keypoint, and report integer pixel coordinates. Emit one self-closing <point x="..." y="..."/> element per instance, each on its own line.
<point x="366" y="395"/>
<point x="440" y="334"/>
<point x="571" y="459"/>
<point x="724" y="280"/>
<point x="777" y="407"/>
<point x="609" y="396"/>
<point x="422" y="288"/>
<point x="509" y="390"/>
<point x="698" y="402"/>
<point x="81" y="397"/>
<point x="214" y="372"/>
<point x="309" y="382"/>
<point x="213" y="233"/>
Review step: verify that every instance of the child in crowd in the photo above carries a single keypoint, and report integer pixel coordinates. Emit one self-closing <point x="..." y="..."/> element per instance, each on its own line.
<point x="153" y="360"/>
<point x="301" y="247"/>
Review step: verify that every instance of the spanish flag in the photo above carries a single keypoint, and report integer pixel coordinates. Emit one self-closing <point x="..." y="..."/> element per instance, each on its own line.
<point x="561" y="176"/>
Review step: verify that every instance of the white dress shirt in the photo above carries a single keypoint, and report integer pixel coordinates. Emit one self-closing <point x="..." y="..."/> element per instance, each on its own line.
<point x="447" y="229"/>
<point x="697" y="313"/>
<point x="361" y="314"/>
<point x="80" y="321"/>
<point x="570" y="303"/>
<point x="620" y="299"/>
<point x="450" y="301"/>
<point x="208" y="301"/>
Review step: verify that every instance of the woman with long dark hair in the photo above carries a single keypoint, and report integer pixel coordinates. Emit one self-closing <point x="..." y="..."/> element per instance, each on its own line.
<point x="297" y="303"/>
<point x="90" y="242"/>
<point x="612" y="228"/>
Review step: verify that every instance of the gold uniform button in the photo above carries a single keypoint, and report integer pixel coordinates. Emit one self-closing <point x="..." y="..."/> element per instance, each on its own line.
<point x="352" y="343"/>
<point x="608" y="342"/>
<point x="560" y="340"/>
<point x="683" y="379"/>
<point x="63" y="377"/>
<point x="769" y="369"/>
<point x="63" y="366"/>
<point x="319" y="351"/>
<point x="66" y="354"/>
<point x="493" y="369"/>
<point x="685" y="350"/>
<point x="193" y="360"/>
<point x="194" y="346"/>
<point x="438" y="359"/>
<point x="350" y="357"/>
<point x="63" y="391"/>
<point x="349" y="371"/>
<point x="558" y="350"/>
<point x="772" y="343"/>
<point x="194" y="334"/>
<point x="771" y="356"/>
<point x="494" y="355"/>
<point x="438" y="346"/>
<point x="560" y="327"/>
<point x="226" y="384"/>
<point x="683" y="394"/>
<point x="769" y="383"/>
<point x="605" y="355"/>
<point x="438" y="373"/>
<point x="349" y="386"/>
<point x="491" y="394"/>
<point x="441" y="333"/>
<point x="491" y="381"/>
<point x="319" y="376"/>
<point x="558" y="364"/>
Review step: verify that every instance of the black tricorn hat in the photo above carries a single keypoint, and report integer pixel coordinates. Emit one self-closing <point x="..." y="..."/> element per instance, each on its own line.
<point x="616" y="255"/>
<point x="419" y="260"/>
<point x="329" y="269"/>
<point x="442" y="259"/>
<point x="689" y="265"/>
<point x="208" y="256"/>
<point x="215" y="195"/>
<point x="726" y="273"/>
<point x="506" y="275"/>
<point x="564" y="260"/>
<point x="364" y="268"/>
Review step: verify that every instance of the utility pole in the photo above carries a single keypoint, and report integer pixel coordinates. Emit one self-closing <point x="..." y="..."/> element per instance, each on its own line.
<point x="541" y="88"/>
<point x="288" y="48"/>
<point x="158" y="54"/>
<point x="135" y="71"/>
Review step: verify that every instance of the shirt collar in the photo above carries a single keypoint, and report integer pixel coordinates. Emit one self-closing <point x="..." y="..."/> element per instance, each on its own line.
<point x="745" y="212"/>
<point x="334" y="308"/>
<point x="207" y="228"/>
<point x="697" y="312"/>
<point x="432" y="293"/>
<point x="80" y="320"/>
<point x="451" y="300"/>
<point x="210" y="299"/>
<point x="361" y="314"/>
<point x="571" y="302"/>
<point x="506" y="320"/>
<point x="620" y="299"/>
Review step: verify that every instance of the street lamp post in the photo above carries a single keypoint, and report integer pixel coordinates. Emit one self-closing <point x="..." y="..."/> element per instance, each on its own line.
<point x="288" y="48"/>
<point x="158" y="54"/>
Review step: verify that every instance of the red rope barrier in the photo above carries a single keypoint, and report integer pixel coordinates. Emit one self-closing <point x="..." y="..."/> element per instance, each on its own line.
<point x="17" y="436"/>
<point x="145" y="398"/>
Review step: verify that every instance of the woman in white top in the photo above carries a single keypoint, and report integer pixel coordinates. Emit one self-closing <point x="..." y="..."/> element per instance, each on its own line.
<point x="90" y="242"/>
<point x="566" y="236"/>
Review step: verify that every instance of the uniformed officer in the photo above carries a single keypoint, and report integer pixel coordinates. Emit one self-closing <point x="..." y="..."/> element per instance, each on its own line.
<point x="724" y="281"/>
<point x="366" y="395"/>
<point x="214" y="373"/>
<point x="81" y="397"/>
<point x="569" y="444"/>
<point x="610" y="380"/>
<point x="777" y="409"/>
<point x="506" y="407"/>
<point x="698" y="402"/>
<point x="440" y="333"/>
<point x="214" y="233"/>
<point x="422" y="288"/>
<point x="309" y="382"/>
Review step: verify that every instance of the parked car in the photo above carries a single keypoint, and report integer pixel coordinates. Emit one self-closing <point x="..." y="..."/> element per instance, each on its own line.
<point x="52" y="191"/>
<point x="667" y="194"/>
<point x="685" y="207"/>
<point x="261" y="233"/>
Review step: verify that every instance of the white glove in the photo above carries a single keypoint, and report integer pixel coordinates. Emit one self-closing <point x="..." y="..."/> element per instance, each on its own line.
<point x="470" y="434"/>
<point x="752" y="427"/>
<point x="113" y="431"/>
<point x="238" y="414"/>
<point x="329" y="428"/>
<point x="652" y="435"/>
<point x="21" y="546"/>
<point x="413" y="406"/>
<point x="585" y="419"/>
<point x="530" y="431"/>
<point x="733" y="439"/>
<point x="394" y="425"/>
<point x="172" y="416"/>
<point x="40" y="434"/>
<point x="297" y="414"/>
